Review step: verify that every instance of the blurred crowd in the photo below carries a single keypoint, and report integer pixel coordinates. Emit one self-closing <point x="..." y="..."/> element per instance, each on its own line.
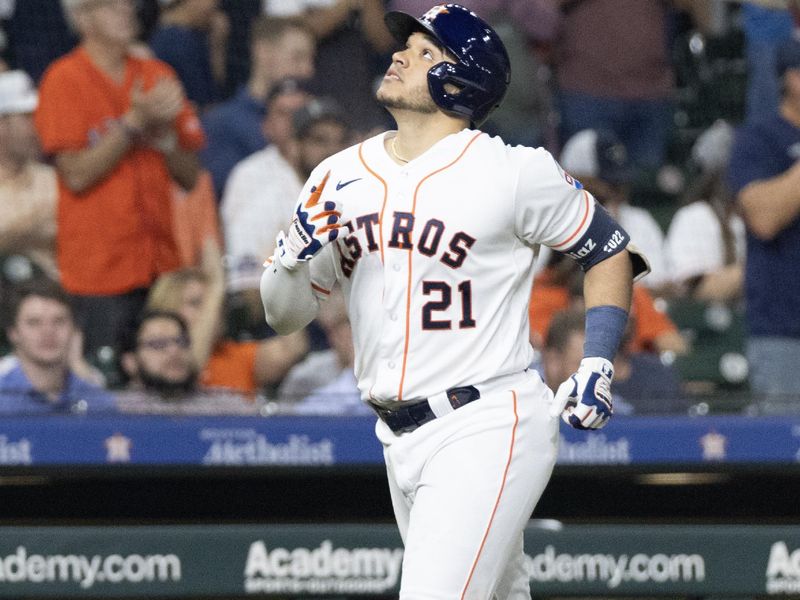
<point x="151" y="150"/>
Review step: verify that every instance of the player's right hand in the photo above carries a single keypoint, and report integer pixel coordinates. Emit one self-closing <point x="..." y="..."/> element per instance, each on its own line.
<point x="584" y="400"/>
<point x="315" y="224"/>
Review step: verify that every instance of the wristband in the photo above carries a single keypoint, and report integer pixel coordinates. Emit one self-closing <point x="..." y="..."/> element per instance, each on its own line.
<point x="604" y="328"/>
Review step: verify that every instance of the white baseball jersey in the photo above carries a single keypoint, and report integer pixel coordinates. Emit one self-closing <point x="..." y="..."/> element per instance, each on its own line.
<point x="435" y="257"/>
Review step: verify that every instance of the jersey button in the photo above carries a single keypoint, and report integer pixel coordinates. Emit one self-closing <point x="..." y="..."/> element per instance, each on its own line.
<point x="391" y="364"/>
<point x="396" y="267"/>
<point x="393" y="317"/>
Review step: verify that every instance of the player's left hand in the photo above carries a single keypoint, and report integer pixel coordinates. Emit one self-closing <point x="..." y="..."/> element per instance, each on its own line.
<point x="584" y="400"/>
<point x="315" y="223"/>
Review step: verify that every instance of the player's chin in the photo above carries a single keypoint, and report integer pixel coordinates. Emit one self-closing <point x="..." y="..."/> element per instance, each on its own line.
<point x="386" y="97"/>
<point x="381" y="94"/>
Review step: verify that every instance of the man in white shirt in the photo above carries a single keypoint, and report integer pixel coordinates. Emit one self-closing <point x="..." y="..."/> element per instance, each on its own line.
<point x="264" y="188"/>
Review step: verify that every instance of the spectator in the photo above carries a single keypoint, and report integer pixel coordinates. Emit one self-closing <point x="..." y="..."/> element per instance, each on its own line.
<point x="192" y="37"/>
<point x="706" y="240"/>
<point x="324" y="383"/>
<point x="351" y="36"/>
<point x="764" y="174"/>
<point x="601" y="162"/>
<point x="156" y="356"/>
<point x="198" y="297"/>
<point x="613" y="71"/>
<point x="766" y="26"/>
<point x="27" y="187"/>
<point x="280" y="48"/>
<point x="645" y="383"/>
<point x="129" y="132"/>
<point x="264" y="187"/>
<point x="46" y="372"/>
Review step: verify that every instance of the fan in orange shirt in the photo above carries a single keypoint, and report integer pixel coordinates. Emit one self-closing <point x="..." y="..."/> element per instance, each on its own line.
<point x="557" y="287"/>
<point x="120" y="130"/>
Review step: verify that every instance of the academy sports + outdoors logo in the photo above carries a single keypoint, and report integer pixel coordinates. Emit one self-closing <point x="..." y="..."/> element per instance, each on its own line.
<point x="783" y="570"/>
<point x="615" y="570"/>
<point x="22" y="567"/>
<point x="321" y="570"/>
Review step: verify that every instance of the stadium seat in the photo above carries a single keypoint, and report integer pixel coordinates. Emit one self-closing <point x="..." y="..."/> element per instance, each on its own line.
<point x="717" y="335"/>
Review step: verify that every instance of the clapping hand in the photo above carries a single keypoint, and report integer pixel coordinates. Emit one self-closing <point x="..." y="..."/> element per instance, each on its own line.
<point x="157" y="107"/>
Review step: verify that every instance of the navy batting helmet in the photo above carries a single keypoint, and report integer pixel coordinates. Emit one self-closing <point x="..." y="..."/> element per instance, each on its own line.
<point x="482" y="71"/>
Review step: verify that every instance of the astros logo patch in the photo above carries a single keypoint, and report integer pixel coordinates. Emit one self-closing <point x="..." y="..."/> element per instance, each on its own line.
<point x="434" y="12"/>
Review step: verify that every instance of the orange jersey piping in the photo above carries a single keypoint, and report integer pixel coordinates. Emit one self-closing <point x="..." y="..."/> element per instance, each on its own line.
<point x="385" y="194"/>
<point x="497" y="501"/>
<point x="583" y="221"/>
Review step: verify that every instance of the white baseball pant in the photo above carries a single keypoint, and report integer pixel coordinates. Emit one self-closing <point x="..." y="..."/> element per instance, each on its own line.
<point x="463" y="488"/>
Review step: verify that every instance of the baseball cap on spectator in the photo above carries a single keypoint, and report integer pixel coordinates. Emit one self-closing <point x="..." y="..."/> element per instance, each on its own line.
<point x="315" y="111"/>
<point x="17" y="93"/>
<point x="599" y="154"/>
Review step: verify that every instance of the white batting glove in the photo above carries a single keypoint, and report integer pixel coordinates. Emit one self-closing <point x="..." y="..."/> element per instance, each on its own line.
<point x="584" y="400"/>
<point x="315" y="224"/>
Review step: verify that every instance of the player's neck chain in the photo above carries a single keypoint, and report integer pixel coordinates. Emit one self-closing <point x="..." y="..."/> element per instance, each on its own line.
<point x="394" y="151"/>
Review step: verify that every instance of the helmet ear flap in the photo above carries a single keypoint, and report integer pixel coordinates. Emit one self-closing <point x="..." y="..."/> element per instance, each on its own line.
<point x="461" y="101"/>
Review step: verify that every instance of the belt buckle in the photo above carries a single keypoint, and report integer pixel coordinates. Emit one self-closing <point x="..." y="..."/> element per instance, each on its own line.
<point x="420" y="413"/>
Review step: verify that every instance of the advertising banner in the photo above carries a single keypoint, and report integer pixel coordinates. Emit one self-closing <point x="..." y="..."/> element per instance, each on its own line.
<point x="350" y="441"/>
<point x="366" y="560"/>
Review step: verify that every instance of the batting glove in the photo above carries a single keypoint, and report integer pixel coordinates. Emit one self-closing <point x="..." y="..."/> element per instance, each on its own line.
<point x="584" y="400"/>
<point x="315" y="224"/>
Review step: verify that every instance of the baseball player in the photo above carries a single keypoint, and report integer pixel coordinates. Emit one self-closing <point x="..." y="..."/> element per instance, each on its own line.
<point x="432" y="231"/>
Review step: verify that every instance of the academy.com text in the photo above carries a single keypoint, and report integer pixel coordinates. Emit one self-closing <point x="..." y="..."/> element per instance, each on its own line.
<point x="23" y="567"/>
<point x="550" y="566"/>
